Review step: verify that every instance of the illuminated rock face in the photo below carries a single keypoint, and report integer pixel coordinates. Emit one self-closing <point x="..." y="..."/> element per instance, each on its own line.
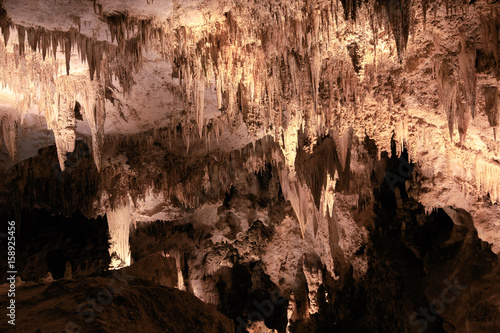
<point x="119" y="230"/>
<point x="378" y="68"/>
<point x="181" y="103"/>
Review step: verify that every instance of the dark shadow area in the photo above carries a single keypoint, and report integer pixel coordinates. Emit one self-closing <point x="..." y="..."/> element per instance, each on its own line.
<point x="47" y="241"/>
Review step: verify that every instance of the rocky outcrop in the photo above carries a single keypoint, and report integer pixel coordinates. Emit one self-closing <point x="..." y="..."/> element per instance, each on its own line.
<point x="113" y="303"/>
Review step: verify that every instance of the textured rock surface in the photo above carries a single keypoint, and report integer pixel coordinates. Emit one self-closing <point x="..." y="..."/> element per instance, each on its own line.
<point x="343" y="154"/>
<point x="132" y="306"/>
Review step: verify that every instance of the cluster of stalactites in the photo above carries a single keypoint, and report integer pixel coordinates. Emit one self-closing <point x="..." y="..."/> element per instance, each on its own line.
<point x="399" y="15"/>
<point x="38" y="83"/>
<point x="35" y="76"/>
<point x="310" y="185"/>
<point x="489" y="35"/>
<point x="457" y="86"/>
<point x="458" y="95"/>
<point x="217" y="175"/>
<point x="488" y="179"/>
<point x="132" y="35"/>
<point x="258" y="71"/>
<point x="102" y="57"/>
<point x="202" y="177"/>
<point x="177" y="135"/>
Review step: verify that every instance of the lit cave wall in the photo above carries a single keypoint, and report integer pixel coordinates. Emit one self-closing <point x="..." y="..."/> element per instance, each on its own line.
<point x="249" y="166"/>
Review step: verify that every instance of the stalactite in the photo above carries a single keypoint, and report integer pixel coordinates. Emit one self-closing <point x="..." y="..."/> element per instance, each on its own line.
<point x="398" y="12"/>
<point x="21" y="36"/>
<point x="294" y="68"/>
<point x="488" y="179"/>
<point x="315" y="70"/>
<point x="5" y="25"/>
<point x="218" y="89"/>
<point x="9" y="131"/>
<point x="491" y="107"/>
<point x="343" y="144"/>
<point x="118" y="59"/>
<point x="63" y="127"/>
<point x="119" y="222"/>
<point x="96" y="116"/>
<point x="187" y="139"/>
<point x="467" y="62"/>
<point x="350" y="9"/>
<point x="328" y="195"/>
<point x="489" y="34"/>
<point x="447" y="92"/>
<point x="67" y="53"/>
<point x="200" y="101"/>
<point x="462" y="111"/>
<point x="300" y="198"/>
<point x="425" y="7"/>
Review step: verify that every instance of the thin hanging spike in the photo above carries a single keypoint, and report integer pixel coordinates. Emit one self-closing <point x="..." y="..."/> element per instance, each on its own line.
<point x="67" y="53"/>
<point x="54" y="45"/>
<point x="491" y="106"/>
<point x="21" y="36"/>
<point x="5" y="24"/>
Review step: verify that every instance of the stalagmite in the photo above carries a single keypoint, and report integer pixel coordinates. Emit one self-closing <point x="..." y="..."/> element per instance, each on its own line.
<point x="68" y="271"/>
<point x="314" y="278"/>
